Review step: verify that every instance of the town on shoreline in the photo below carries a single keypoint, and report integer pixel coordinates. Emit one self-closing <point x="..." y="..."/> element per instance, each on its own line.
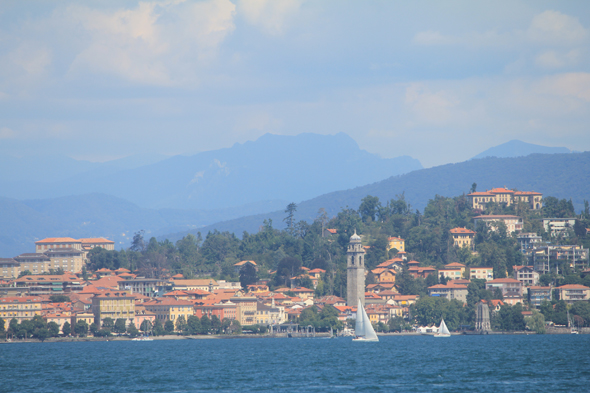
<point x="495" y="262"/>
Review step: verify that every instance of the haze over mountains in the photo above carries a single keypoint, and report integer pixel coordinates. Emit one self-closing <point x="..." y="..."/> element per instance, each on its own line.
<point x="243" y="185"/>
<point x="516" y="148"/>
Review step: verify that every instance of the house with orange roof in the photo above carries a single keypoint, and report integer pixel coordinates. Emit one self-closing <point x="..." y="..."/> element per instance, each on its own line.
<point x="495" y="304"/>
<point x="329" y="232"/>
<point x="387" y="295"/>
<point x="481" y="272"/>
<point x="169" y="309"/>
<point x="396" y="242"/>
<point x="204" y="284"/>
<point x="304" y="293"/>
<point x="376" y="288"/>
<point x="331" y="300"/>
<point x="246" y="309"/>
<point x="513" y="223"/>
<point x="255" y="288"/>
<point x="81" y="315"/>
<point x="421" y="271"/>
<point x="383" y="275"/>
<point x="241" y="264"/>
<point x="511" y="289"/>
<point x="572" y="293"/>
<point x="19" y="307"/>
<point x="49" y="284"/>
<point x="377" y="313"/>
<point x="221" y="310"/>
<point x="449" y="291"/>
<point x="373" y="298"/>
<point x="479" y="200"/>
<point x="404" y="300"/>
<point x="463" y="237"/>
<point x="147" y="286"/>
<point x="178" y="295"/>
<point x="104" y="272"/>
<point x="345" y="312"/>
<point x="108" y="282"/>
<point x="537" y="294"/>
<point x="452" y="271"/>
<point x="525" y="274"/>
<point x="113" y="304"/>
<point x="395" y="263"/>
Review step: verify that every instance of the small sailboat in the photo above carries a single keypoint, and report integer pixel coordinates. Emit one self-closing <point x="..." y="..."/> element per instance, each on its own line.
<point x="363" y="328"/>
<point x="570" y="324"/>
<point x="443" y="331"/>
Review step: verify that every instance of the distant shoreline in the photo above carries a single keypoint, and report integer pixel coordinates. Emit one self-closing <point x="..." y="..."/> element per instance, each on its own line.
<point x="250" y="336"/>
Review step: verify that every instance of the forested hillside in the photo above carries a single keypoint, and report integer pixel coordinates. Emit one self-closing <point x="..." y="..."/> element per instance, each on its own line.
<point x="565" y="176"/>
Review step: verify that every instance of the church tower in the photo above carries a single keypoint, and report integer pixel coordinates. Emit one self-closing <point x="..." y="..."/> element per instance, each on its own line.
<point x="355" y="268"/>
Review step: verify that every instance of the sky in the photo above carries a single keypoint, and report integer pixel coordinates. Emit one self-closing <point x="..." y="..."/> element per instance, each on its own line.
<point x="439" y="81"/>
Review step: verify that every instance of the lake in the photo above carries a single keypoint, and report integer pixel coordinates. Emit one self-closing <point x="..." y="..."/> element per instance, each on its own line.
<point x="495" y="363"/>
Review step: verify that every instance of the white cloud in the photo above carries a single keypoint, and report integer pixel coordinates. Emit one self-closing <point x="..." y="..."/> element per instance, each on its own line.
<point x="574" y="85"/>
<point x="271" y="16"/>
<point x="7" y="133"/>
<point x="31" y="58"/>
<point x="159" y="43"/>
<point x="433" y="38"/>
<point x="552" y="59"/>
<point x="555" y="28"/>
<point x="429" y="107"/>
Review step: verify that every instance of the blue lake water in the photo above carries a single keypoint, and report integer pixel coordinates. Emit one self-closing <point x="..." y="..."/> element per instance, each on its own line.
<point x="398" y="364"/>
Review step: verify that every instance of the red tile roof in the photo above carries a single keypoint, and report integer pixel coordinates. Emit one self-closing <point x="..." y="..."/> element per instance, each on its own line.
<point x="462" y="230"/>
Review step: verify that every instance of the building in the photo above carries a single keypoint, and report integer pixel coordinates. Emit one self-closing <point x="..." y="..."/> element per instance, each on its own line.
<point x="449" y="291"/>
<point x="510" y="287"/>
<point x="571" y="293"/>
<point x="204" y="284"/>
<point x="559" y="226"/>
<point x="68" y="259"/>
<point x="82" y="245"/>
<point x="528" y="241"/>
<point x="513" y="223"/>
<point x="526" y="274"/>
<point x="355" y="269"/>
<point x="9" y="268"/>
<point x="546" y="259"/>
<point x="532" y="199"/>
<point x="19" y="307"/>
<point x="383" y="275"/>
<point x="270" y="315"/>
<point x="420" y="271"/>
<point x="396" y="242"/>
<point x="481" y="272"/>
<point x="113" y="304"/>
<point x="222" y="310"/>
<point x="463" y="237"/>
<point x="168" y="309"/>
<point x="55" y="284"/>
<point x="238" y="266"/>
<point x="144" y="286"/>
<point x="246" y="309"/>
<point x="33" y="262"/>
<point x="536" y="295"/>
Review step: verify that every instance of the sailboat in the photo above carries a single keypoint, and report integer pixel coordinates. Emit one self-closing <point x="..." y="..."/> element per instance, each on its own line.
<point x="363" y="328"/>
<point x="570" y="324"/>
<point x="443" y="331"/>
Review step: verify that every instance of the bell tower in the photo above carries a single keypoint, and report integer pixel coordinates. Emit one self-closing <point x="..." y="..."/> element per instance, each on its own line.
<point x="355" y="269"/>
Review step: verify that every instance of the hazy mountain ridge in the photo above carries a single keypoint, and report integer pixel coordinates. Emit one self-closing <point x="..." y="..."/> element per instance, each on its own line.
<point x="274" y="167"/>
<point x="559" y="175"/>
<point x="516" y="148"/>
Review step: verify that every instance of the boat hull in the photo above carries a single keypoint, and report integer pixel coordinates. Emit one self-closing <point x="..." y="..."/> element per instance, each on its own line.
<point x="442" y="335"/>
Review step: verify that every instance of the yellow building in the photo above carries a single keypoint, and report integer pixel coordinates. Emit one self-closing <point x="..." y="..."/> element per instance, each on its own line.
<point x="383" y="275"/>
<point x="246" y="309"/>
<point x="19" y="307"/>
<point x="534" y="200"/>
<point x="168" y="309"/>
<point x="113" y="304"/>
<point x="9" y="268"/>
<point x="205" y="284"/>
<point x="397" y="243"/>
<point x="481" y="272"/>
<point x="463" y="237"/>
<point x="68" y="259"/>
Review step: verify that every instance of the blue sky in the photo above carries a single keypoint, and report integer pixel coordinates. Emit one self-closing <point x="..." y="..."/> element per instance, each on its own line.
<point x="440" y="81"/>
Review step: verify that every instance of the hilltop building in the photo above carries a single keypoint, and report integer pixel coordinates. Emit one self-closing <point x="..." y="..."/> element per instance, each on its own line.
<point x="355" y="268"/>
<point x="396" y="242"/>
<point x="463" y="237"/>
<point x="534" y="200"/>
<point x="513" y="223"/>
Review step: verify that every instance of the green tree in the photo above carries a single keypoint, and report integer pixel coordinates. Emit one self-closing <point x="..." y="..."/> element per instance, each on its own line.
<point x="2" y="325"/>
<point x="158" y="329"/>
<point x="81" y="328"/>
<point x="215" y="324"/>
<point x="108" y="323"/>
<point x="290" y="219"/>
<point x="369" y="208"/>
<point x="145" y="326"/>
<point x="25" y="273"/>
<point x="41" y="334"/>
<point x="205" y="324"/>
<point x="53" y="329"/>
<point x="66" y="329"/>
<point x="181" y="325"/>
<point x="248" y="275"/>
<point x="169" y="327"/>
<point x="194" y="325"/>
<point x="536" y="322"/>
<point x="235" y="327"/>
<point x="132" y="330"/>
<point x="120" y="325"/>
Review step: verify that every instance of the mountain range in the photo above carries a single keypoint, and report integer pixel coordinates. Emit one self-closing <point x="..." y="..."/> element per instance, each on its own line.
<point x="264" y="176"/>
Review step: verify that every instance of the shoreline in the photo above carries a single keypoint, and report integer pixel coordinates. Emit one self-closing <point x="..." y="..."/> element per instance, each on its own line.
<point x="251" y="336"/>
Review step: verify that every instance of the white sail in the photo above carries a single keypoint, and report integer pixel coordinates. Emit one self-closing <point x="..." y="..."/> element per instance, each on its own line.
<point x="359" y="328"/>
<point x="443" y="328"/>
<point x="369" y="331"/>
